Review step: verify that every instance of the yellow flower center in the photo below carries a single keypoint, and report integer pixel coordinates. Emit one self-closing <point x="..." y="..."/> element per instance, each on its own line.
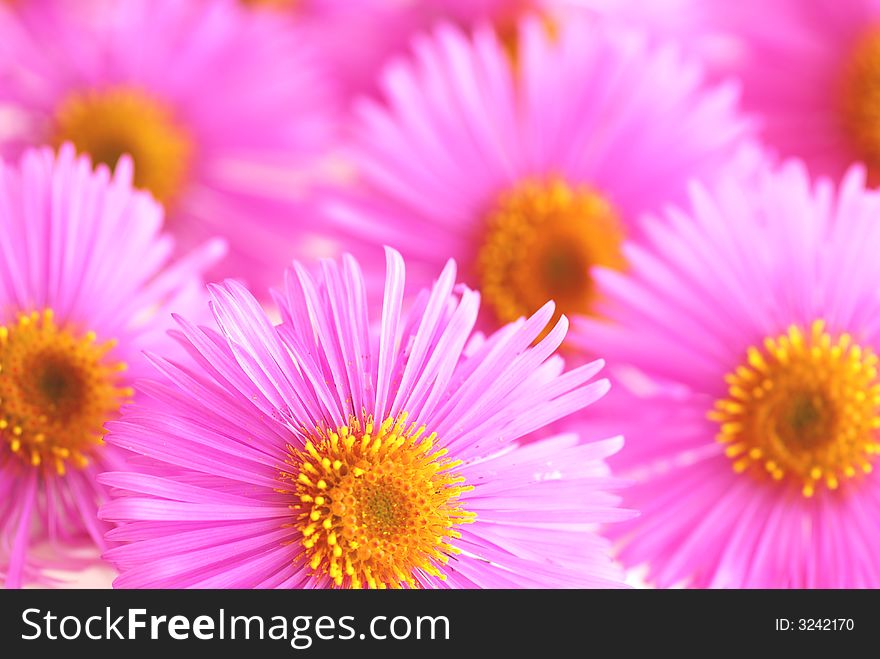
<point x="111" y="122"/>
<point x="805" y="407"/>
<point x="376" y="506"/>
<point x="860" y="100"/>
<point x="56" y="392"/>
<point x="541" y="240"/>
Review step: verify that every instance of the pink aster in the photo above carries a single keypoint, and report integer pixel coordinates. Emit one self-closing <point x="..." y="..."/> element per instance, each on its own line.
<point x="313" y="454"/>
<point x="221" y="109"/>
<point x="702" y="28"/>
<point x="359" y="37"/>
<point x="811" y="74"/>
<point x="86" y="283"/>
<point x="356" y="36"/>
<point x="755" y="317"/>
<point x="529" y="170"/>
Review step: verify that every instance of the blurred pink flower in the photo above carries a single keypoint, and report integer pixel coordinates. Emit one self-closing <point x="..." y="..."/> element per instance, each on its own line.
<point x="86" y="284"/>
<point x="811" y="75"/>
<point x="221" y="109"/>
<point x="308" y="455"/>
<point x="756" y="314"/>
<point x="356" y="36"/>
<point x="529" y="171"/>
<point x="359" y="37"/>
<point x="701" y="28"/>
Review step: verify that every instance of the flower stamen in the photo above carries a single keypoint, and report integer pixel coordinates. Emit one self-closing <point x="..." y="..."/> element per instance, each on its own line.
<point x="541" y="240"/>
<point x="806" y="407"/>
<point x="109" y="123"/>
<point x="376" y="505"/>
<point x="57" y="389"/>
<point x="860" y="100"/>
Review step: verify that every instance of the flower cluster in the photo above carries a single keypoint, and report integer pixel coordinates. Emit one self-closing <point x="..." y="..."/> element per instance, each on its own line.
<point x="286" y="290"/>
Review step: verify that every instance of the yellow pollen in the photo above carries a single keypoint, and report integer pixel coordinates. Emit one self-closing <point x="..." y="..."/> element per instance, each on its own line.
<point x="388" y="507"/>
<point x="56" y="392"/>
<point x="860" y="101"/>
<point x="804" y="408"/>
<point x="111" y="122"/>
<point x="541" y="240"/>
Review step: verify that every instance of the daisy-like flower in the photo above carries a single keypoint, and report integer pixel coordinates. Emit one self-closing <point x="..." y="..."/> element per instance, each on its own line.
<point x="310" y="454"/>
<point x="85" y="287"/>
<point x="391" y="25"/>
<point x="219" y="108"/>
<point x="357" y="36"/>
<point x="702" y="28"/>
<point x="817" y="97"/>
<point x="530" y="172"/>
<point x="757" y="318"/>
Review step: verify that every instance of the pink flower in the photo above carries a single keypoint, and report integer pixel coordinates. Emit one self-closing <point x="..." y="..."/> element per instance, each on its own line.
<point x="359" y="37"/>
<point x="221" y="110"/>
<point x="756" y="315"/>
<point x="530" y="172"/>
<point x="702" y="28"/>
<point x="356" y="42"/>
<point x="85" y="285"/>
<point x="811" y="75"/>
<point x="312" y="454"/>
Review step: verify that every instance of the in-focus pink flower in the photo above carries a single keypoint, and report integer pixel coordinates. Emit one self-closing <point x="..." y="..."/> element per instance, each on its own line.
<point x="220" y="108"/>
<point x="811" y="75"/>
<point x="86" y="284"/>
<point x="312" y="454"/>
<point x="530" y="172"/>
<point x="756" y="314"/>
